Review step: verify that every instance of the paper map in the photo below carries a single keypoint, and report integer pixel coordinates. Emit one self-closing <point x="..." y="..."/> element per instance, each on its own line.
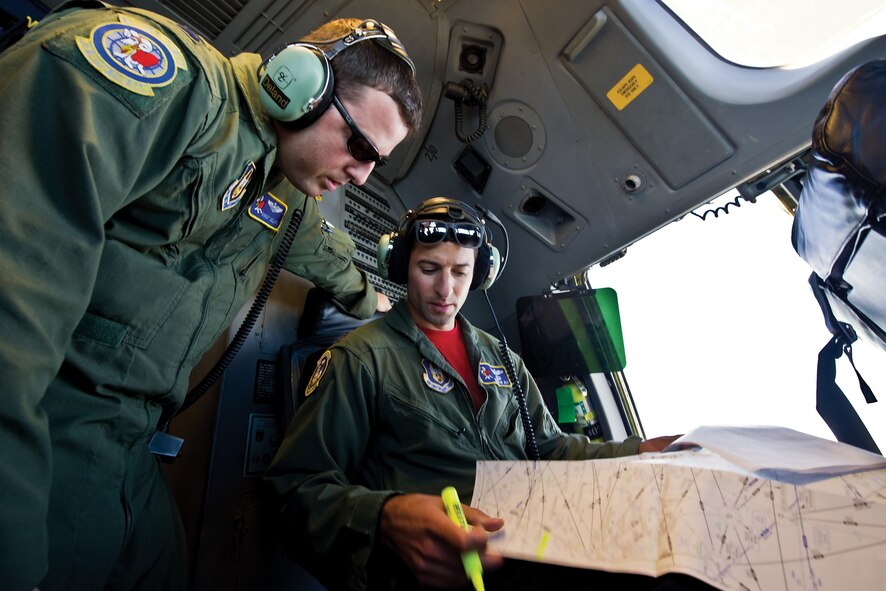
<point x="691" y="512"/>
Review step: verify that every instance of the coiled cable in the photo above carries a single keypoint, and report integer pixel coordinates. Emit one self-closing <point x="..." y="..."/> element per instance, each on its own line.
<point x="251" y="317"/>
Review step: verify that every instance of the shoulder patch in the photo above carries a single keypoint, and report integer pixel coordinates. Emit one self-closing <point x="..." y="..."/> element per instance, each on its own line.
<point x="494" y="374"/>
<point x="131" y="60"/>
<point x="132" y="54"/>
<point x="435" y="378"/>
<point x="322" y="366"/>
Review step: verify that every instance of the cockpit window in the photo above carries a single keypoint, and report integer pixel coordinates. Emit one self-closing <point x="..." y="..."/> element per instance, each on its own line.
<point x="767" y="34"/>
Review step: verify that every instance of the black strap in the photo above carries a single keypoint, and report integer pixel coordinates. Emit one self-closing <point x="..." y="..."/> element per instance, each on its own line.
<point x="832" y="404"/>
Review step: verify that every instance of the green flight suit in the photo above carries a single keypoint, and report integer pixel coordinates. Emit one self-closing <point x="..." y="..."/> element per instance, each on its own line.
<point x="386" y="414"/>
<point x="127" y="247"/>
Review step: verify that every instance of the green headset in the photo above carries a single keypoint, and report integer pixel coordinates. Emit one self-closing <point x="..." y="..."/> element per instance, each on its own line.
<point x="296" y="82"/>
<point x="394" y="248"/>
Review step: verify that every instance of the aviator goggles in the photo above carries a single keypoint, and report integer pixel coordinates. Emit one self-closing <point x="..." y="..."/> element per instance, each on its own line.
<point x="465" y="234"/>
<point x="359" y="145"/>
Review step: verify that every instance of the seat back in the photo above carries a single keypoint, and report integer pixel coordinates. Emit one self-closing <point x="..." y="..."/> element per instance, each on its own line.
<point x="321" y="324"/>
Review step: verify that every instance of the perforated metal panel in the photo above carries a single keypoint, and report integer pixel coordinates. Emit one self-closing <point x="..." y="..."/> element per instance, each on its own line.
<point x="212" y="17"/>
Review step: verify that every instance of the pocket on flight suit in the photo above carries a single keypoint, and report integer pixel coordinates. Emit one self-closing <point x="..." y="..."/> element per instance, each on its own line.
<point x="337" y="247"/>
<point x="420" y="422"/>
<point x="510" y="426"/>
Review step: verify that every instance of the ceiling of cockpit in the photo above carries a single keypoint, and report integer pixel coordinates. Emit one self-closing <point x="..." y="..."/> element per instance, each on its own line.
<point x="604" y="120"/>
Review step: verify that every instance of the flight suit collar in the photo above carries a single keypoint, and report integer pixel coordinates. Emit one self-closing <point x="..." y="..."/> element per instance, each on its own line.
<point x="401" y="321"/>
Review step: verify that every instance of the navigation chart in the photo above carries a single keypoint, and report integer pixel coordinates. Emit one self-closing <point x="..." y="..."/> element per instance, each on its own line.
<point x="682" y="512"/>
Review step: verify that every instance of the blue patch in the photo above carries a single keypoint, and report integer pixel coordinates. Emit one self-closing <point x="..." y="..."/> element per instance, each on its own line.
<point x="133" y="55"/>
<point x="268" y="210"/>
<point x="436" y="379"/>
<point x="237" y="188"/>
<point x="494" y="374"/>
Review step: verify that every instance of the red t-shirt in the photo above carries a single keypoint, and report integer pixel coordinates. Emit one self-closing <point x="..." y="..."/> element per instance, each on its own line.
<point x="452" y="347"/>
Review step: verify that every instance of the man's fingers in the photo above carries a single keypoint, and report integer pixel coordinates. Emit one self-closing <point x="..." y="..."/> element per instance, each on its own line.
<point x="478" y="518"/>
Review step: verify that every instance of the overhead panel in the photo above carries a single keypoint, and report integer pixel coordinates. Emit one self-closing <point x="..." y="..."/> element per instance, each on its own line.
<point x="661" y="122"/>
<point x="211" y="18"/>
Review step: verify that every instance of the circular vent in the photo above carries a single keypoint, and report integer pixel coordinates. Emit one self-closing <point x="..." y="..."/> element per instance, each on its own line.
<point x="518" y="138"/>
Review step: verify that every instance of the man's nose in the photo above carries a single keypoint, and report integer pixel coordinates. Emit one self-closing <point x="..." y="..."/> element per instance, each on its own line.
<point x="444" y="284"/>
<point x="359" y="171"/>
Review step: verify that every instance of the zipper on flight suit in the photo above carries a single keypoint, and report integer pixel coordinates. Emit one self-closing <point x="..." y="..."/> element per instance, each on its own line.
<point x="211" y="254"/>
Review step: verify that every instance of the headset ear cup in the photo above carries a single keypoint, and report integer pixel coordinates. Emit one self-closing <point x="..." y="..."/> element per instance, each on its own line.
<point x="296" y="85"/>
<point x="383" y="258"/>
<point x="393" y="258"/>
<point x="398" y="261"/>
<point x="486" y="273"/>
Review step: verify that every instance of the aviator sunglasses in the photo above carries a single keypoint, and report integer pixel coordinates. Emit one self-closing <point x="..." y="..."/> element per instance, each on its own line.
<point x="465" y="234"/>
<point x="358" y="144"/>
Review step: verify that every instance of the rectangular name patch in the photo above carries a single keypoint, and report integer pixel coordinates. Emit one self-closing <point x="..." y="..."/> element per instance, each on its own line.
<point x="494" y="374"/>
<point x="268" y="211"/>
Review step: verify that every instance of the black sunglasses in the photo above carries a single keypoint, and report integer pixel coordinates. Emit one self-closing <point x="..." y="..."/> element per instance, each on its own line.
<point x="465" y="234"/>
<point x="358" y="144"/>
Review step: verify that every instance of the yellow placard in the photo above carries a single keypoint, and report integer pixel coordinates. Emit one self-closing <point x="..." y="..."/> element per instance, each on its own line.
<point x="630" y="87"/>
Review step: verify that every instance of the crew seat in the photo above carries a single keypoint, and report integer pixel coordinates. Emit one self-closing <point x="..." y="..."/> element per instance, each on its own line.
<point x="321" y="324"/>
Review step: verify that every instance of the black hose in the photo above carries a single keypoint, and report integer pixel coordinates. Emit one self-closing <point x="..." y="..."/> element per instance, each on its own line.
<point x="531" y="443"/>
<point x="251" y="317"/>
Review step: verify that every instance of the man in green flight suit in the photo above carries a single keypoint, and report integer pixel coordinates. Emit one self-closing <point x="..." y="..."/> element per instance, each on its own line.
<point x="406" y="405"/>
<point x="148" y="182"/>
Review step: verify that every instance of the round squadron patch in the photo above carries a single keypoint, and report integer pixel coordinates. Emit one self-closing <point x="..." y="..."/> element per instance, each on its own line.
<point x="132" y="54"/>
<point x="322" y="365"/>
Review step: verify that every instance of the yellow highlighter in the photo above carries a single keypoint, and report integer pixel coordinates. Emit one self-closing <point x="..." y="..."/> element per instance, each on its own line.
<point x="470" y="559"/>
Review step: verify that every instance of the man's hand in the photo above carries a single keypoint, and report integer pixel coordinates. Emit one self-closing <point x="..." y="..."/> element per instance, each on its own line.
<point x="383" y="304"/>
<point x="657" y="443"/>
<point x="417" y="527"/>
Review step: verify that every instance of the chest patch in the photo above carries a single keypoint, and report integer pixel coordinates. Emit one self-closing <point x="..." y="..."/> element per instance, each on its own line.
<point x="237" y="188"/>
<point x="435" y="378"/>
<point x="268" y="211"/>
<point x="132" y="54"/>
<point x="322" y="366"/>
<point x="494" y="374"/>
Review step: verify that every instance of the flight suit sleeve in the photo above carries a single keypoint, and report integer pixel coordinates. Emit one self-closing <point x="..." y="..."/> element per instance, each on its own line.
<point x="553" y="443"/>
<point x="70" y="156"/>
<point x="329" y="521"/>
<point x="323" y="255"/>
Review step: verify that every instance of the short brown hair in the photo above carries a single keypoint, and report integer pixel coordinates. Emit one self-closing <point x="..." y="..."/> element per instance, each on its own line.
<point x="370" y="64"/>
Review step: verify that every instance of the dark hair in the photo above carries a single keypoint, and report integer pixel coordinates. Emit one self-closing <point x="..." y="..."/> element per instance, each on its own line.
<point x="369" y="64"/>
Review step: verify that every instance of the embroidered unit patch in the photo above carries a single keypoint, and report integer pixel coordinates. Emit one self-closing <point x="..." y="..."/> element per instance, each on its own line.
<point x="322" y="365"/>
<point x="268" y="210"/>
<point x="494" y="374"/>
<point x="436" y="379"/>
<point x="237" y="188"/>
<point x="132" y="54"/>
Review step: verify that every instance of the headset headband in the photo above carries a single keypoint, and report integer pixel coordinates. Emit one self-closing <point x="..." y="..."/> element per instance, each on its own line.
<point x="369" y="29"/>
<point x="297" y="81"/>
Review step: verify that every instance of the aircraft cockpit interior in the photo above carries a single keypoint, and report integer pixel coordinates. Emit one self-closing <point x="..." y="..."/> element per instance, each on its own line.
<point x="580" y="130"/>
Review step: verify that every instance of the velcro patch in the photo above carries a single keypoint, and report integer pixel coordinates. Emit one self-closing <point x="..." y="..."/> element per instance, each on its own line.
<point x="494" y="374"/>
<point x="436" y="379"/>
<point x="322" y="366"/>
<point x="132" y="60"/>
<point x="268" y="211"/>
<point x="132" y="54"/>
<point x="237" y="188"/>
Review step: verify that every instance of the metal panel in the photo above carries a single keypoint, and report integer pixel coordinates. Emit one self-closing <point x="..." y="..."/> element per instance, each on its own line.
<point x="661" y="122"/>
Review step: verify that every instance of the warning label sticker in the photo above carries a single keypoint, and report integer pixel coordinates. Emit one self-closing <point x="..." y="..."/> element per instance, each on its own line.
<point x="630" y="87"/>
